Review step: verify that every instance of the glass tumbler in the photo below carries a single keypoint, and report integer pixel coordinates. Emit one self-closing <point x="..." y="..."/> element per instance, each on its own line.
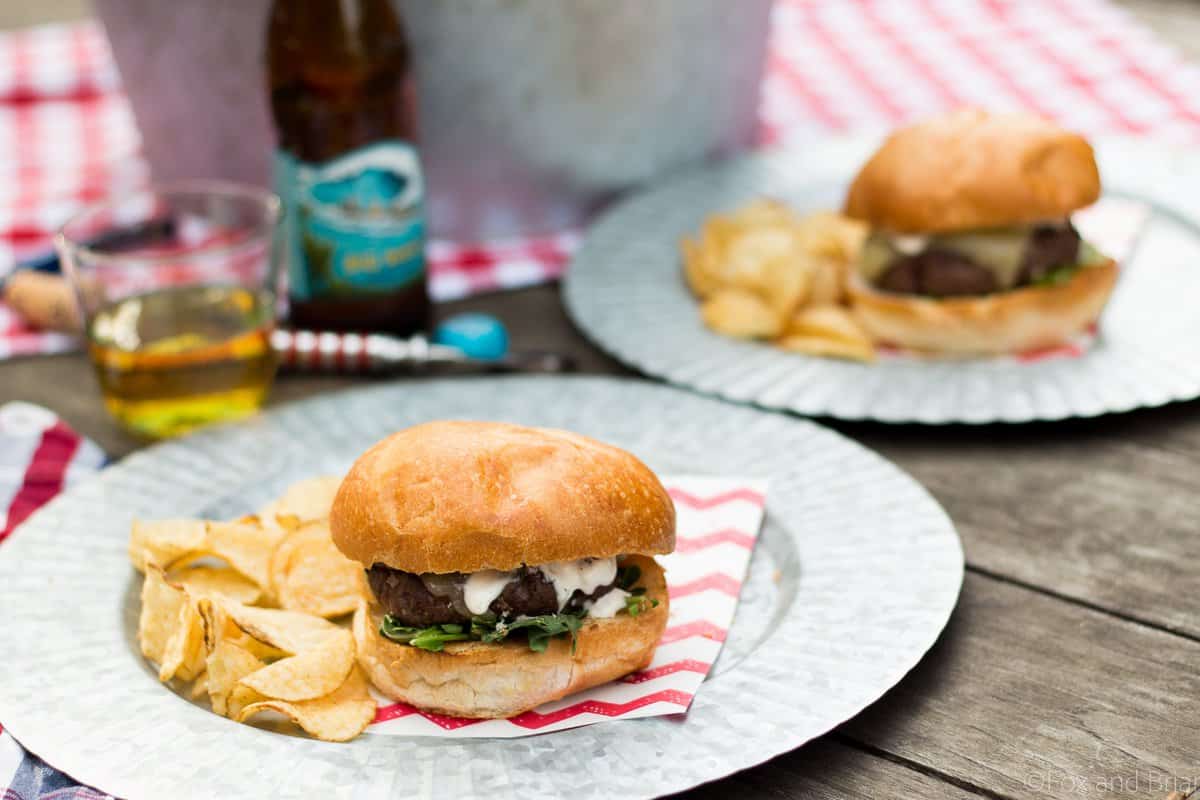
<point x="177" y="285"/>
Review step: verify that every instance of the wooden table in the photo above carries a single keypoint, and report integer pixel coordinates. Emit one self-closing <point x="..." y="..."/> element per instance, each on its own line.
<point x="1071" y="667"/>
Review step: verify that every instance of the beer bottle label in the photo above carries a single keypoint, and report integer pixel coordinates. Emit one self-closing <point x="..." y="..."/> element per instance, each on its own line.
<point x="355" y="224"/>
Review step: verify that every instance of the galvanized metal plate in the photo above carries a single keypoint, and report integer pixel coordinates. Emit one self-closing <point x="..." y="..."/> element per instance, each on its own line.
<point x="853" y="579"/>
<point x="626" y="292"/>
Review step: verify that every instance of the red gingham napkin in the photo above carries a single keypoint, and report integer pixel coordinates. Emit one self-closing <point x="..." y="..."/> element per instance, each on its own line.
<point x="39" y="456"/>
<point x="833" y="65"/>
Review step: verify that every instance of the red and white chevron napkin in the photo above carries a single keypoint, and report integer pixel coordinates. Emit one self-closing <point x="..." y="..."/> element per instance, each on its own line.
<point x="718" y="524"/>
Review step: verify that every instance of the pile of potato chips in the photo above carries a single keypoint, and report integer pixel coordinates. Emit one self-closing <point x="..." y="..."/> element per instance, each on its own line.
<point x="764" y="272"/>
<point x="242" y="610"/>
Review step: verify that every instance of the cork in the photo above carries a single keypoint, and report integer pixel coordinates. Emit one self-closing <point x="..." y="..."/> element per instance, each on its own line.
<point x="43" y="301"/>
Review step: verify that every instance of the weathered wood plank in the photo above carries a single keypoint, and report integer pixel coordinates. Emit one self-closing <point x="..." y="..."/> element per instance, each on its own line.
<point x="828" y="770"/>
<point x="1102" y="511"/>
<point x="1031" y="697"/>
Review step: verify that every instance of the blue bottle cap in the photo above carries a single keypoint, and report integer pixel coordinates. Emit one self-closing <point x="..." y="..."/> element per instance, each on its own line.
<point x="480" y="336"/>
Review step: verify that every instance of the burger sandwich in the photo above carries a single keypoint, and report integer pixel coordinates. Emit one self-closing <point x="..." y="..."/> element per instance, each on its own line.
<point x="971" y="249"/>
<point x="508" y="566"/>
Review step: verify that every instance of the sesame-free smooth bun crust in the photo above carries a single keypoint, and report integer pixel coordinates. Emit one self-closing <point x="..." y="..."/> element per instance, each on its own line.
<point x="456" y="496"/>
<point x="474" y="679"/>
<point x="971" y="169"/>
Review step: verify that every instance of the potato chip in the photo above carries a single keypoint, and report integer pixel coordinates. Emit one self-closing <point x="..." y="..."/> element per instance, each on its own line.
<point x="751" y="253"/>
<point x="696" y="270"/>
<point x="216" y="582"/>
<point x="305" y="501"/>
<point x="756" y="267"/>
<point x="288" y="631"/>
<point x="736" y="312"/>
<point x="828" y="321"/>
<point x="199" y="686"/>
<point x="337" y="717"/>
<point x="164" y="542"/>
<point x="229" y="656"/>
<point x="159" y="619"/>
<point x="832" y="236"/>
<point x="227" y="664"/>
<point x="828" y="283"/>
<point x="215" y="622"/>
<point x="787" y="283"/>
<point x="195" y="625"/>
<point x="763" y="211"/>
<point x="309" y="573"/>
<point x="246" y="547"/>
<point x="830" y="348"/>
<point x="218" y="625"/>
<point x="308" y="674"/>
<point x="714" y="242"/>
<point x="827" y="331"/>
<point x="239" y="698"/>
<point x="183" y="656"/>
<point x="262" y="650"/>
<point x="169" y="629"/>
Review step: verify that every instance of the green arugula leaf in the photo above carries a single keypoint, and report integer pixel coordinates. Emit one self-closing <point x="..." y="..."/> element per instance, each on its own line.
<point x="485" y="628"/>
<point x="433" y="638"/>
<point x="395" y="631"/>
<point x="1057" y="276"/>
<point x="635" y="604"/>
<point x="539" y="630"/>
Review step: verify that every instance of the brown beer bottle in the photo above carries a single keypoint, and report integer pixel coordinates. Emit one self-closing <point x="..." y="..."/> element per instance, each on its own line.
<point x="346" y="167"/>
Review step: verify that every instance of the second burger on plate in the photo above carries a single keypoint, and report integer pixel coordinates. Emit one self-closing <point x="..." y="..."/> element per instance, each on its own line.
<point x="972" y="250"/>
<point x="508" y="566"/>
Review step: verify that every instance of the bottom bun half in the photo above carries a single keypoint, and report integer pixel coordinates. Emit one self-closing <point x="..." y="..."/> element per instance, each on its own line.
<point x="1031" y="318"/>
<point x="493" y="681"/>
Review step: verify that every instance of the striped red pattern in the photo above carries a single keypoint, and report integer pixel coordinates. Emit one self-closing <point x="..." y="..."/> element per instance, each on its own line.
<point x="702" y="503"/>
<point x="400" y="710"/>
<point x="43" y="476"/>
<point x="832" y="65"/>
<point x="724" y="536"/>
<point x="713" y="582"/>
<point x="699" y="628"/>
<point x="686" y="664"/>
<point x="533" y="720"/>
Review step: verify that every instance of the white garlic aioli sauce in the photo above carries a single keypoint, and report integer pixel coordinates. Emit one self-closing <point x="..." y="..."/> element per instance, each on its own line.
<point x="586" y="575"/>
<point x="608" y="604"/>
<point x="483" y="587"/>
<point x="910" y="244"/>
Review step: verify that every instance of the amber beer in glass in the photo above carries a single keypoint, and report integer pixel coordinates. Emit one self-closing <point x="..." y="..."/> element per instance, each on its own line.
<point x="346" y="166"/>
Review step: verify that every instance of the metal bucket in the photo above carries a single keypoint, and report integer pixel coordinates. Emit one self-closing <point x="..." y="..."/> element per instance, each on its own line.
<point x="532" y="111"/>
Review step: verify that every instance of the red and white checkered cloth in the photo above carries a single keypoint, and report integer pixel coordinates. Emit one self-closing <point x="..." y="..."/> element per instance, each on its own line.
<point x="833" y="65"/>
<point x="39" y="457"/>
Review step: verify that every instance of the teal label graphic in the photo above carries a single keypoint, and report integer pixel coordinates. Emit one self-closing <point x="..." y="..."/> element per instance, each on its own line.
<point x="354" y="225"/>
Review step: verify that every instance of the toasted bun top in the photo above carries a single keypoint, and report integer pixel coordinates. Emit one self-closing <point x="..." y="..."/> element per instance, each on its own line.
<point x="465" y="496"/>
<point x="971" y="169"/>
